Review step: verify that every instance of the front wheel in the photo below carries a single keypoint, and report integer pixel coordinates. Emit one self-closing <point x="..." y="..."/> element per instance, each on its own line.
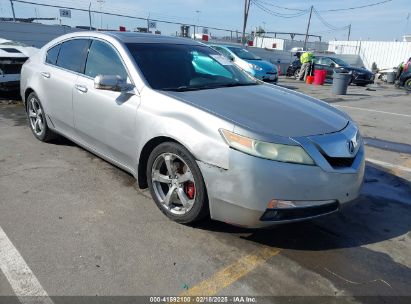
<point x="176" y="183"/>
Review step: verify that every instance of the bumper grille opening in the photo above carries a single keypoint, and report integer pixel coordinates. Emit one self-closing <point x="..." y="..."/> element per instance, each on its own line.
<point x="11" y="65"/>
<point x="290" y="214"/>
<point x="339" y="162"/>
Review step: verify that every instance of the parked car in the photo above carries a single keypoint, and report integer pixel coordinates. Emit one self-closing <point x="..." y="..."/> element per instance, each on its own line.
<point x="249" y="62"/>
<point x="360" y="76"/>
<point x="205" y="137"/>
<point x="12" y="56"/>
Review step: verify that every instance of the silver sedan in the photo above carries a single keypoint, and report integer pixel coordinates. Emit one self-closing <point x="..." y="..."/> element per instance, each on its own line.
<point x="206" y="138"/>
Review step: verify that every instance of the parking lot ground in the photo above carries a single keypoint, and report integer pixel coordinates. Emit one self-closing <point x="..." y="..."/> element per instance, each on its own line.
<point x="84" y="229"/>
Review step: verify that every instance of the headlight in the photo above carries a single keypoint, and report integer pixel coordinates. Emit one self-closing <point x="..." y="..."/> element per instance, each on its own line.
<point x="277" y="152"/>
<point x="255" y="67"/>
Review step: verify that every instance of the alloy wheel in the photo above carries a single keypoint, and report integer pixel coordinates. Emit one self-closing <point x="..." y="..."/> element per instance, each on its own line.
<point x="173" y="183"/>
<point x="36" y="116"/>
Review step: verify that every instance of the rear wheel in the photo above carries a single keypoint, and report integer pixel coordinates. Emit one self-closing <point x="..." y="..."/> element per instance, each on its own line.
<point x="407" y="84"/>
<point x="176" y="183"/>
<point x="37" y="119"/>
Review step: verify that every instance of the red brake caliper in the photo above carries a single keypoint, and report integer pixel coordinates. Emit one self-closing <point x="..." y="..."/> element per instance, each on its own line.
<point x="190" y="190"/>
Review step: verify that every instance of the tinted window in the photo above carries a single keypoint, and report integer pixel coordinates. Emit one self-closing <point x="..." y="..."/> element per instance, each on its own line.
<point x="186" y="67"/>
<point x="73" y="55"/>
<point x="243" y="53"/>
<point x="52" y="54"/>
<point x="325" y="61"/>
<point x="224" y="52"/>
<point x="103" y="60"/>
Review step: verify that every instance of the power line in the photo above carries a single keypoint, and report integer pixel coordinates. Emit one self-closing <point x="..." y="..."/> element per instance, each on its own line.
<point x="356" y="7"/>
<point x="273" y="13"/>
<point x="283" y="7"/>
<point x="119" y="15"/>
<point x="323" y="21"/>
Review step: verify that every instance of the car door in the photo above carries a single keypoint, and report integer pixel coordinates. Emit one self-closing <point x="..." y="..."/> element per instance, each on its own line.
<point x="63" y="62"/>
<point x="105" y="120"/>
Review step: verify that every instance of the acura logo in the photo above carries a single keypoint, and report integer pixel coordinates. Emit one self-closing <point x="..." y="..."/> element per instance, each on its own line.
<point x="351" y="146"/>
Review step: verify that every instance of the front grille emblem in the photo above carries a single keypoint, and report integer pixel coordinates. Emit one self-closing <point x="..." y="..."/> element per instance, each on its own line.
<point x="351" y="146"/>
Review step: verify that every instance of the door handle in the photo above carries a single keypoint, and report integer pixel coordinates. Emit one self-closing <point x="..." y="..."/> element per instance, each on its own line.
<point x="81" y="88"/>
<point x="45" y="74"/>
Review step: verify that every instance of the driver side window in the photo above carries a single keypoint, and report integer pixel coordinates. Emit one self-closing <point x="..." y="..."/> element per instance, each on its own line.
<point x="326" y="61"/>
<point x="102" y="59"/>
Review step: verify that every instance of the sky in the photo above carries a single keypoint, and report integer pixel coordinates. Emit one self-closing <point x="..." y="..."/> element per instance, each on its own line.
<point x="386" y="21"/>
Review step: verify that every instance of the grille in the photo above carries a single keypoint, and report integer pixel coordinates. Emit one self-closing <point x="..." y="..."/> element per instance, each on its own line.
<point x="11" y="66"/>
<point x="298" y="213"/>
<point x="339" y="162"/>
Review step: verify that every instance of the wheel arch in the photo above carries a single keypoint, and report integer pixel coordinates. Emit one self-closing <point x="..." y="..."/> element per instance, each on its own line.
<point x="27" y="92"/>
<point x="144" y="155"/>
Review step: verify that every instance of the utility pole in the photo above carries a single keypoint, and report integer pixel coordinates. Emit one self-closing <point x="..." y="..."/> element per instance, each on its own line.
<point x="349" y="32"/>
<point x="89" y="14"/>
<point x="101" y="2"/>
<point x="246" y="10"/>
<point x="308" y="27"/>
<point x="12" y="9"/>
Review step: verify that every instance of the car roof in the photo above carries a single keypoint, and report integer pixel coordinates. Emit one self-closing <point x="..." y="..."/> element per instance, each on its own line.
<point x="133" y="37"/>
<point x="129" y="37"/>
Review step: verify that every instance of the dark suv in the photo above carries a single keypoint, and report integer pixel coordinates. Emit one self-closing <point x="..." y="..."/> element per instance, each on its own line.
<point x="360" y="76"/>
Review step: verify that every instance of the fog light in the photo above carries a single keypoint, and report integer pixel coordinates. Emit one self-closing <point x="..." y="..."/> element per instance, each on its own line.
<point x="279" y="204"/>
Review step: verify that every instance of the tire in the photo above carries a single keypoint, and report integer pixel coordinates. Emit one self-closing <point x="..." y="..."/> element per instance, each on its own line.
<point x="37" y="119"/>
<point x="407" y="84"/>
<point x="297" y="74"/>
<point x="183" y="198"/>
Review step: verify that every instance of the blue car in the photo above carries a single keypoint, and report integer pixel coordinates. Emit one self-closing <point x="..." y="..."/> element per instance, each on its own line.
<point x="249" y="62"/>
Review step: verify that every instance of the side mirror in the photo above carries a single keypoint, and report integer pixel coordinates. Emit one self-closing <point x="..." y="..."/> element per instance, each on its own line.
<point x="111" y="83"/>
<point x="332" y="64"/>
<point x="231" y="58"/>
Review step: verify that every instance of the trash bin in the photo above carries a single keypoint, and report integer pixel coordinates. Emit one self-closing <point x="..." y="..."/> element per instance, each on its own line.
<point x="391" y="77"/>
<point x="340" y="83"/>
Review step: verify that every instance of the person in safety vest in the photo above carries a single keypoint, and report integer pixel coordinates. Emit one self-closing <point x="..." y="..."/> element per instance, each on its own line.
<point x="306" y="60"/>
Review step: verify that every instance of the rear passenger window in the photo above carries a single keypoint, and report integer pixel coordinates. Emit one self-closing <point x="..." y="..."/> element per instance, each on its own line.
<point x="73" y="54"/>
<point x="52" y="54"/>
<point x="103" y="60"/>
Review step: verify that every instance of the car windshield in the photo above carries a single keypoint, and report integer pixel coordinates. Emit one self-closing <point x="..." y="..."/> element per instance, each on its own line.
<point x="184" y="67"/>
<point x="340" y="62"/>
<point x="243" y="54"/>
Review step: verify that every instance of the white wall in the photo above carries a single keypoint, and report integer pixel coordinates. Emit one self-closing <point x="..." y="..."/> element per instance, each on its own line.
<point x="287" y="44"/>
<point x="385" y="54"/>
<point x="33" y="34"/>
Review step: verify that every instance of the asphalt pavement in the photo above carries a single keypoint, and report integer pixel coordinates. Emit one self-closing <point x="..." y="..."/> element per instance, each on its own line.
<point x="72" y="224"/>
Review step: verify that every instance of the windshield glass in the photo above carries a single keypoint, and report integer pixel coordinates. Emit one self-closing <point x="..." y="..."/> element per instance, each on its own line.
<point x="181" y="67"/>
<point x="243" y="54"/>
<point x="340" y="62"/>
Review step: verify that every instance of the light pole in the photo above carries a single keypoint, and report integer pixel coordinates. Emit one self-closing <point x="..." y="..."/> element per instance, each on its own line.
<point x="101" y="2"/>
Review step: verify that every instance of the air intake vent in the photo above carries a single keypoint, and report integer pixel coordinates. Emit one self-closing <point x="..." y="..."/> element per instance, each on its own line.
<point x="339" y="162"/>
<point x="11" y="50"/>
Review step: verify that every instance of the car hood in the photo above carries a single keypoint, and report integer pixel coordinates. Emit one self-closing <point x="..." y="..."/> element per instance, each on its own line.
<point x="265" y="65"/>
<point x="355" y="69"/>
<point x="268" y="109"/>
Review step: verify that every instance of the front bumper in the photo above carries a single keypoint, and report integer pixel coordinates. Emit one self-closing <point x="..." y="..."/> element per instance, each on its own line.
<point x="268" y="76"/>
<point x="240" y="195"/>
<point x="9" y="82"/>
